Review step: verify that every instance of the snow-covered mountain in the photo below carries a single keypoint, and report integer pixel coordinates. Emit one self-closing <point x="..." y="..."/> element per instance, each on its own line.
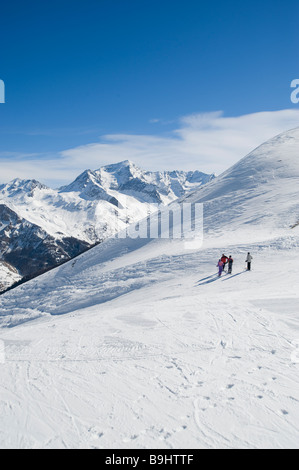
<point x="143" y="346"/>
<point x="127" y="178"/>
<point x="30" y="249"/>
<point x="41" y="227"/>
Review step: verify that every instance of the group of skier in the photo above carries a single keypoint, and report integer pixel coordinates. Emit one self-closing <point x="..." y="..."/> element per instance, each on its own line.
<point x="224" y="260"/>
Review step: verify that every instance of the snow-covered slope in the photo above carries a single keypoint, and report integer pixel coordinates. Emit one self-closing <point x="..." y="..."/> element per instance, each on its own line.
<point x="181" y="361"/>
<point x="8" y="275"/>
<point x="153" y="349"/>
<point x="258" y="196"/>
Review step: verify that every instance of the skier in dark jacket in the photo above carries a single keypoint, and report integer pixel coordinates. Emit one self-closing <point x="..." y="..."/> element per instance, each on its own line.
<point x="230" y="265"/>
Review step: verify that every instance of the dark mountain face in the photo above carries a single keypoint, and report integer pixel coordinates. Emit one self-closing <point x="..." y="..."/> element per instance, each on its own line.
<point x="29" y="249"/>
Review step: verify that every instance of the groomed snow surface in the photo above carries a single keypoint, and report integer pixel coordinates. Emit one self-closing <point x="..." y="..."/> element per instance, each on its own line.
<point x="178" y="359"/>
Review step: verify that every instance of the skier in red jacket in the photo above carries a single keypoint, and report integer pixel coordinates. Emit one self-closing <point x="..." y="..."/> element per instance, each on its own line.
<point x="224" y="260"/>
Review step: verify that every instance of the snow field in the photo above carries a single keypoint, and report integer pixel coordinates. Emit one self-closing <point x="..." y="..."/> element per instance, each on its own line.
<point x="184" y="361"/>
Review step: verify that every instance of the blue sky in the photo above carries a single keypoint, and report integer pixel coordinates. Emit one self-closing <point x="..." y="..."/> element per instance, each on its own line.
<point x="97" y="74"/>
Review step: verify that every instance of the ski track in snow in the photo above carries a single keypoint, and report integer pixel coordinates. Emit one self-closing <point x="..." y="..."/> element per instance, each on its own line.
<point x="162" y="354"/>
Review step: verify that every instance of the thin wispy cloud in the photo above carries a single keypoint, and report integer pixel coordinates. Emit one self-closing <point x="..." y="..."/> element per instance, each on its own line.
<point x="209" y="142"/>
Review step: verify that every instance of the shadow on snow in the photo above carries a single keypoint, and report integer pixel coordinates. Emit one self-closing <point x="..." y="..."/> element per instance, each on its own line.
<point x="215" y="277"/>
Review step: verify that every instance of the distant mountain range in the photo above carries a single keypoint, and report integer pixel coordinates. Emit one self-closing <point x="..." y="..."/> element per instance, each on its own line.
<point x="41" y="227"/>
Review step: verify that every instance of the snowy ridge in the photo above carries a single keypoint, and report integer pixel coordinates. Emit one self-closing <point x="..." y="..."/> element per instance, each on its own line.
<point x="127" y="178"/>
<point x="259" y="195"/>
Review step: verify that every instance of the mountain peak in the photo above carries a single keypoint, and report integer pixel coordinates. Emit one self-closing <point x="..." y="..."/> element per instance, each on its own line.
<point x="125" y="169"/>
<point x="119" y="165"/>
<point x="277" y="158"/>
<point x="21" y="186"/>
